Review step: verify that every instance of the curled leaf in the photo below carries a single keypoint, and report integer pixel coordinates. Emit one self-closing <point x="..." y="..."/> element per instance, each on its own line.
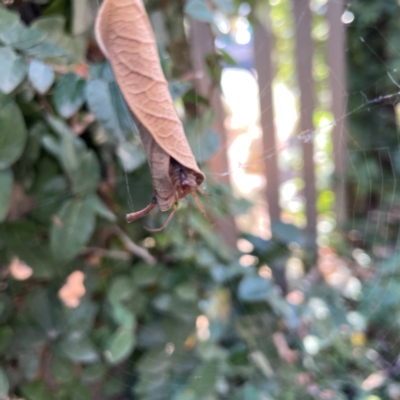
<point x="125" y="36"/>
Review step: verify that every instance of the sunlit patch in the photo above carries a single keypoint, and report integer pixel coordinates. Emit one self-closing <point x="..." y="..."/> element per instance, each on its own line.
<point x="374" y="381"/>
<point x="265" y="272"/>
<point x="19" y="270"/>
<point x="347" y="17"/>
<point x="319" y="308"/>
<point x="358" y="339"/>
<point x="149" y="242"/>
<point x="361" y="257"/>
<point x="295" y="297"/>
<point x="353" y="288"/>
<point x="73" y="290"/>
<point x="202" y="326"/>
<point x="244" y="246"/>
<point x="247" y="260"/>
<point x="241" y="92"/>
<point x="311" y="345"/>
<point x="222" y="22"/>
<point x="294" y="268"/>
<point x="169" y="348"/>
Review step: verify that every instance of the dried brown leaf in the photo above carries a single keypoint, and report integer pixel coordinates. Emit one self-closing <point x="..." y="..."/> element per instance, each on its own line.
<point x="125" y="35"/>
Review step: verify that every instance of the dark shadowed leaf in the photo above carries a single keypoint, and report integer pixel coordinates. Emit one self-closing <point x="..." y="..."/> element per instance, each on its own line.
<point x="254" y="288"/>
<point x="6" y="182"/>
<point x="79" y="348"/>
<point x="69" y="95"/>
<point x="145" y="275"/>
<point x="121" y="289"/>
<point x="12" y="70"/>
<point x="13" y="133"/>
<point x="120" y="346"/>
<point x="36" y="390"/>
<point x="75" y="225"/>
<point x="30" y="364"/>
<point x="41" y="76"/>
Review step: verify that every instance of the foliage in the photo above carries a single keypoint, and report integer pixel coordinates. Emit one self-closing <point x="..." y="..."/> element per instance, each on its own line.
<point x="173" y="315"/>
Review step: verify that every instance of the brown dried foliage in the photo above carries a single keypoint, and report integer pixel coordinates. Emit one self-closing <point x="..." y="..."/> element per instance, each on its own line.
<point x="125" y="36"/>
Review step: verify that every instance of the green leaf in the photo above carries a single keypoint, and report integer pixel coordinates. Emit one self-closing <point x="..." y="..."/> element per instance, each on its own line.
<point x="100" y="208"/>
<point x="22" y="38"/>
<point x="205" y="145"/>
<point x="287" y="233"/>
<point x="93" y="373"/>
<point x="145" y="275"/>
<point x="6" y="182"/>
<point x="29" y="362"/>
<point x="41" y="76"/>
<point x="87" y="177"/>
<point x="204" y="379"/>
<point x="36" y="391"/>
<point x="75" y="227"/>
<point x="130" y="156"/>
<point x="227" y="58"/>
<point x="123" y="316"/>
<point x="121" y="289"/>
<point x="120" y="346"/>
<point x="62" y="370"/>
<point x="79" y="348"/>
<point x="45" y="310"/>
<point x="254" y="288"/>
<point x="248" y="392"/>
<point x="199" y="10"/>
<point x="4" y="384"/>
<point x="203" y="141"/>
<point x="98" y="98"/>
<point x="80" y="164"/>
<point x="8" y="19"/>
<point x="13" y="134"/>
<point x="178" y="89"/>
<point x="6" y="336"/>
<point x="52" y="145"/>
<point x="12" y="70"/>
<point x="69" y="95"/>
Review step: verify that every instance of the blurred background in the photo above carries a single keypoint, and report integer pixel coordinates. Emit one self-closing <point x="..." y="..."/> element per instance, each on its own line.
<point x="290" y="289"/>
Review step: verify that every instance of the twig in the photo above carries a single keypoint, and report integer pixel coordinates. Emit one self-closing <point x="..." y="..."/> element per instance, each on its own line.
<point x="133" y="247"/>
<point x="114" y="254"/>
<point x="79" y="127"/>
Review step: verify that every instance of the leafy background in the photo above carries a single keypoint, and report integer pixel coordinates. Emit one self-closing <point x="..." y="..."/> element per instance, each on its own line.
<point x="91" y="308"/>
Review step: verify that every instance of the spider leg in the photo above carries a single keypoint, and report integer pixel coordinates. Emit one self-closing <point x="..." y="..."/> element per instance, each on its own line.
<point x="202" y="191"/>
<point x="139" y="214"/>
<point x="199" y="204"/>
<point x="166" y="222"/>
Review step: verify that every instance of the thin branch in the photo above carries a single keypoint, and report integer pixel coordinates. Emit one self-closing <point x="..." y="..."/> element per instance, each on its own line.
<point x="133" y="247"/>
<point x="113" y="254"/>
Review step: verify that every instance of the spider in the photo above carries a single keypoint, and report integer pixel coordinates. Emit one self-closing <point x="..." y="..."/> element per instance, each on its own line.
<point x="184" y="183"/>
